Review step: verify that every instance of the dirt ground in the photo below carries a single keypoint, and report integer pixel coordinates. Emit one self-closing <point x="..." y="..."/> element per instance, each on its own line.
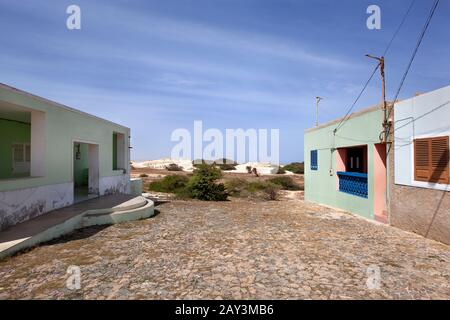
<point x="235" y="250"/>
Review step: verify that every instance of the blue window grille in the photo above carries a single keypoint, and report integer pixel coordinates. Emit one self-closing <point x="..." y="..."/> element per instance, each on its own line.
<point x="314" y="165"/>
<point x="353" y="183"/>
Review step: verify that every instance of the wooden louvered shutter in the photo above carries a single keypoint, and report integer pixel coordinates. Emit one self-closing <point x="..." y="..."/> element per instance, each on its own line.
<point x="439" y="160"/>
<point x="431" y="160"/>
<point x="421" y="159"/>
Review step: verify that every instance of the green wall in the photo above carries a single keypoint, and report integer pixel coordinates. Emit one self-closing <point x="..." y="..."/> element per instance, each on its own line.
<point x="11" y="132"/>
<point x="63" y="126"/>
<point x="321" y="186"/>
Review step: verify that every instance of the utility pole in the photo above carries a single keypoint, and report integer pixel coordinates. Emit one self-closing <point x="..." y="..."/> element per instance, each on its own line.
<point x="385" y="132"/>
<point x="317" y="110"/>
<point x="383" y="96"/>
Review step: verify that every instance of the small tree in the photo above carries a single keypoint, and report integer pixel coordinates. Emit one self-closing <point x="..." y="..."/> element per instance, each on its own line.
<point x="203" y="186"/>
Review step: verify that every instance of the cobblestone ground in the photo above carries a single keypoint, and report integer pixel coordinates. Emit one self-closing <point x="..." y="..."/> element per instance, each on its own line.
<point x="234" y="250"/>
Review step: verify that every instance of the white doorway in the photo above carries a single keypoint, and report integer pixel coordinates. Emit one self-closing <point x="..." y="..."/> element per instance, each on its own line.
<point x="85" y="171"/>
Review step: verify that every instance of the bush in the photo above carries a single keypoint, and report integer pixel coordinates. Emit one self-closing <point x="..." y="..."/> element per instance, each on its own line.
<point x="202" y="185"/>
<point x="295" y="167"/>
<point x="226" y="167"/>
<point x="256" y="189"/>
<point x="256" y="186"/>
<point x="173" y="167"/>
<point x="286" y="183"/>
<point x="225" y="161"/>
<point x="143" y="175"/>
<point x="222" y="164"/>
<point x="170" y="184"/>
<point x="281" y="170"/>
<point x="235" y="186"/>
<point x="271" y="191"/>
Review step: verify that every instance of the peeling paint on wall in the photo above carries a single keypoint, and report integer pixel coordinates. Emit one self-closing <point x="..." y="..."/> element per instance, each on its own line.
<point x="20" y="205"/>
<point x="115" y="185"/>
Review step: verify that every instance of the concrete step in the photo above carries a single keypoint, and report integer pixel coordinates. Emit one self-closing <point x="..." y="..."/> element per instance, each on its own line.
<point x="383" y="218"/>
<point x="99" y="211"/>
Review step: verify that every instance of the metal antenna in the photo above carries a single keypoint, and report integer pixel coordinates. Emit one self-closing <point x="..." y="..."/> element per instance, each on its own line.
<point x="317" y="110"/>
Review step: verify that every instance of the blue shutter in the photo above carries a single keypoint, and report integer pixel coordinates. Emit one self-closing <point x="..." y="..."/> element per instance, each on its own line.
<point x="314" y="165"/>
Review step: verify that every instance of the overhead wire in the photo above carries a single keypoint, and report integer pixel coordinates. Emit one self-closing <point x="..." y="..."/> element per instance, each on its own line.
<point x="345" y="118"/>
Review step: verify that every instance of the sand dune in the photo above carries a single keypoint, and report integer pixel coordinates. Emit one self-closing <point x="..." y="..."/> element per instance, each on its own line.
<point x="186" y="165"/>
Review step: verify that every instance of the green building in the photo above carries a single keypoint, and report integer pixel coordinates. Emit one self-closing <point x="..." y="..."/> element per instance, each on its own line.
<point x="346" y="168"/>
<point x="52" y="156"/>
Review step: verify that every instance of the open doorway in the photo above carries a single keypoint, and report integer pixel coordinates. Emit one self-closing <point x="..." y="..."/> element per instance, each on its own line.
<point x="380" y="182"/>
<point x="85" y="171"/>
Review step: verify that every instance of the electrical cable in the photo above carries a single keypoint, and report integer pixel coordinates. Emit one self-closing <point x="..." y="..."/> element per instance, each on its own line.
<point x="342" y="122"/>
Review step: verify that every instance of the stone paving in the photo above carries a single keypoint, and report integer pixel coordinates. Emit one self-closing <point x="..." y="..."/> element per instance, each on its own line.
<point x="234" y="250"/>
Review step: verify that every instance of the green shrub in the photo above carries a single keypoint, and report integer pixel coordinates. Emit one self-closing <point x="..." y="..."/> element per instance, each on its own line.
<point x="255" y="186"/>
<point x="226" y="164"/>
<point x="198" y="162"/>
<point x="295" y="167"/>
<point x="202" y="185"/>
<point x="226" y="167"/>
<point x="281" y="170"/>
<point x="225" y="161"/>
<point x="255" y="189"/>
<point x="170" y="184"/>
<point x="235" y="186"/>
<point x="271" y="191"/>
<point x="183" y="194"/>
<point x="222" y="164"/>
<point x="286" y="183"/>
<point x="173" y="167"/>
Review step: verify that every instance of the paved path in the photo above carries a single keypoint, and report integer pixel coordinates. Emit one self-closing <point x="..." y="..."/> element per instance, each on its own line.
<point x="30" y="228"/>
<point x="233" y="250"/>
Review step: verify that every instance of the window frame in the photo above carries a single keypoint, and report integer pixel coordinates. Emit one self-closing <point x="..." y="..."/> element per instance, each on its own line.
<point x="24" y="166"/>
<point x="430" y="167"/>
<point x="119" y="156"/>
<point x="314" y="159"/>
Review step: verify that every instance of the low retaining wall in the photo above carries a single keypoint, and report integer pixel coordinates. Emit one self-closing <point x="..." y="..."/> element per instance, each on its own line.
<point x="114" y="185"/>
<point x="20" y="205"/>
<point x="423" y="211"/>
<point x="135" y="209"/>
<point x="136" y="186"/>
<point x="23" y="204"/>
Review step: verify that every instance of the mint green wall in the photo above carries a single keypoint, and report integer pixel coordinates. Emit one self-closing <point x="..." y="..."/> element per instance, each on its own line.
<point x="80" y="166"/>
<point x="320" y="186"/>
<point x="63" y="126"/>
<point x="11" y="132"/>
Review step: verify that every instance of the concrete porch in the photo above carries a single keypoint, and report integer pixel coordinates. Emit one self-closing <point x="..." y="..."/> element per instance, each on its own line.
<point x="99" y="211"/>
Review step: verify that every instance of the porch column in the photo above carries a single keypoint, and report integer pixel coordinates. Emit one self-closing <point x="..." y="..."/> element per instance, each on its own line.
<point x="37" y="166"/>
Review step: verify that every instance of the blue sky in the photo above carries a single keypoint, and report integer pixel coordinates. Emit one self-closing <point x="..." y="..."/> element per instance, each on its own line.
<point x="155" y="66"/>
